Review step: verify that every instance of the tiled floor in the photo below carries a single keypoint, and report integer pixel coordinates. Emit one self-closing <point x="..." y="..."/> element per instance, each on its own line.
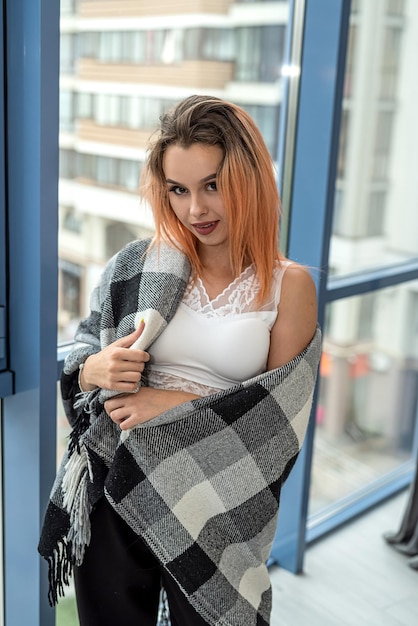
<point x="351" y="578"/>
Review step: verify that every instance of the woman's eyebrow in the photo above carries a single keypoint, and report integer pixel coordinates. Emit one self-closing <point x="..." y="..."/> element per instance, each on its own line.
<point x="203" y="180"/>
<point x="208" y="177"/>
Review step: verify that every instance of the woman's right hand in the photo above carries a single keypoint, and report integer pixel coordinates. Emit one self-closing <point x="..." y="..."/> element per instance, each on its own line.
<point x="116" y="367"/>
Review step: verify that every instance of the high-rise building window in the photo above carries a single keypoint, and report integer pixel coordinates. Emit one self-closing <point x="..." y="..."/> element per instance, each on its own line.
<point x="122" y="110"/>
<point x="411" y="347"/>
<point x="209" y="44"/>
<point x="68" y="7"/>
<point x="129" y="172"/>
<point x="67" y="110"/>
<point x="108" y="109"/>
<point x="70" y="288"/>
<point x="67" y="163"/>
<point x="351" y="46"/>
<point x="267" y="119"/>
<point x="376" y="213"/>
<point x="395" y="7"/>
<point x="260" y="51"/>
<point x="117" y="236"/>
<point x="86" y="167"/>
<point x="89" y="44"/>
<point x="159" y="46"/>
<point x="337" y="227"/>
<point x="383" y="136"/>
<point x="390" y="61"/>
<point x="366" y="317"/>
<point x="85" y="105"/>
<point x="342" y="149"/>
<point x="71" y="220"/>
<point x="68" y="53"/>
<point x="107" y="171"/>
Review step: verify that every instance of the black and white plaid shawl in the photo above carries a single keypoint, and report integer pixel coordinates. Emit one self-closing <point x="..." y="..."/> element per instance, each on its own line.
<point x="201" y="482"/>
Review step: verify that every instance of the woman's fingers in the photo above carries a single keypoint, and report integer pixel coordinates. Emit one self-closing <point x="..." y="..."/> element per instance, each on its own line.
<point x="126" y="342"/>
<point x="116" y="366"/>
<point x="126" y="371"/>
<point x="117" y="415"/>
<point x="127" y="356"/>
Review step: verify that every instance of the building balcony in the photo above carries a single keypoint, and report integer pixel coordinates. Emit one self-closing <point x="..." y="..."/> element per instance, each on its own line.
<point x="193" y="74"/>
<point x="88" y="130"/>
<point x="147" y="8"/>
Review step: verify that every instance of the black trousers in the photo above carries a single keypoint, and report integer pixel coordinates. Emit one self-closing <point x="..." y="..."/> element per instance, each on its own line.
<point x="119" y="580"/>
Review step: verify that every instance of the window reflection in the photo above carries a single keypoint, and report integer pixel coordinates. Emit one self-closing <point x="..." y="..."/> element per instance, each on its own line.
<point x="260" y="53"/>
<point x="375" y="202"/>
<point x="368" y="388"/>
<point x="368" y="391"/>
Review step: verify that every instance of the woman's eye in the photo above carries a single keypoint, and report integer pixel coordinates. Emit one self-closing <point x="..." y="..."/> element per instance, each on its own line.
<point x="212" y="186"/>
<point x="179" y="191"/>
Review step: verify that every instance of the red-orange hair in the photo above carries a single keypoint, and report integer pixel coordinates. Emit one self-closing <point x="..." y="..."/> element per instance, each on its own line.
<point x="245" y="180"/>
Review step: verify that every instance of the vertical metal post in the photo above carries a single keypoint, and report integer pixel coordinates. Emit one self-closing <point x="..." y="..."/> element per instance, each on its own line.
<point x="3" y="346"/>
<point x="29" y="419"/>
<point x="311" y="205"/>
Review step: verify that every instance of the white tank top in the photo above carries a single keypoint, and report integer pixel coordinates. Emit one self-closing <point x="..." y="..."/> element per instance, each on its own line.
<point x="214" y="344"/>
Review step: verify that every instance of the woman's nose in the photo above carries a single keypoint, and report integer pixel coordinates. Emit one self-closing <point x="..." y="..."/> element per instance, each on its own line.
<point x="197" y="206"/>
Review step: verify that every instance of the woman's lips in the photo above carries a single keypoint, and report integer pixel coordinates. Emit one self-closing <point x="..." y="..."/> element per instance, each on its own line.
<point x="205" y="228"/>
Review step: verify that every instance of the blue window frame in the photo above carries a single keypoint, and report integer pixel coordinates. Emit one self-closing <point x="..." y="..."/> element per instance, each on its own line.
<point x="29" y="415"/>
<point x="5" y="377"/>
<point x="319" y="37"/>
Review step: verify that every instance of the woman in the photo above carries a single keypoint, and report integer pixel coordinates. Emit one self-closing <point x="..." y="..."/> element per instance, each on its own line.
<point x="210" y="395"/>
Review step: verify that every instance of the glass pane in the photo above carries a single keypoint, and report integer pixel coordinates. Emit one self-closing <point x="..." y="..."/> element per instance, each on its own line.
<point x="118" y="75"/>
<point x="376" y="197"/>
<point x="367" y="406"/>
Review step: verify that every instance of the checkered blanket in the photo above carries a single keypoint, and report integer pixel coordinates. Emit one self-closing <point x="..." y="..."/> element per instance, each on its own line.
<point x="201" y="482"/>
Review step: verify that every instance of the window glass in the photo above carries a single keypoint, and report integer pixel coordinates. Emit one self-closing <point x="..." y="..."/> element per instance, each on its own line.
<point x="116" y="81"/>
<point x="367" y="406"/>
<point x="67" y="114"/>
<point x="260" y="51"/>
<point x="375" y="212"/>
<point x="368" y="391"/>
<point x="68" y="52"/>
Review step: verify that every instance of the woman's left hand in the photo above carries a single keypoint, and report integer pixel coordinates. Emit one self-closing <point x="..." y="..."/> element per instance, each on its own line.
<point x="129" y="410"/>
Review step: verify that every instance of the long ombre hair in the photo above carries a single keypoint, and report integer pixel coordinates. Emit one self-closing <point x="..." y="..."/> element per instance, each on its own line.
<point x="245" y="180"/>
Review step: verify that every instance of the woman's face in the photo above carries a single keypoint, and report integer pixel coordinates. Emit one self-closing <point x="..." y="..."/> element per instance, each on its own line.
<point x="192" y="190"/>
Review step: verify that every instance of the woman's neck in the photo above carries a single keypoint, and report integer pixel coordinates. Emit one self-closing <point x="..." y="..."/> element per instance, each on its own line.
<point x="216" y="273"/>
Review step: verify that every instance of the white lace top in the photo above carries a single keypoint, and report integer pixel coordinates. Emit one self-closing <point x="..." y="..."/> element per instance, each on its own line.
<point x="213" y="344"/>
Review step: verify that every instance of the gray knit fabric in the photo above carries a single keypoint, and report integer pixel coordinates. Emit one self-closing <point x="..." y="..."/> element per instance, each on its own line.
<point x="201" y="482"/>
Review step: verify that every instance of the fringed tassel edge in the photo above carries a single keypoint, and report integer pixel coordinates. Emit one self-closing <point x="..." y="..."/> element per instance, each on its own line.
<point x="78" y="473"/>
<point x="86" y="401"/>
<point x="60" y="568"/>
<point x="164" y="611"/>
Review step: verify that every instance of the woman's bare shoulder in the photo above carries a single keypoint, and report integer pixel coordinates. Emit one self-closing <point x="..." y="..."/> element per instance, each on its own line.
<point x="297" y="316"/>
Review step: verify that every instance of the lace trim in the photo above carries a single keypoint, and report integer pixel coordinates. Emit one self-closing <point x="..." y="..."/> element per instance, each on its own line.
<point x="236" y="298"/>
<point x="162" y="380"/>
